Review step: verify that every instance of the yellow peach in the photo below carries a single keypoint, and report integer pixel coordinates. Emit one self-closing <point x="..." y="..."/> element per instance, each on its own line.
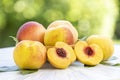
<point x="29" y="54"/>
<point x="88" y="54"/>
<point x="61" y="55"/>
<point x="104" y="42"/>
<point x="68" y="50"/>
<point x="56" y="34"/>
<point x="66" y="24"/>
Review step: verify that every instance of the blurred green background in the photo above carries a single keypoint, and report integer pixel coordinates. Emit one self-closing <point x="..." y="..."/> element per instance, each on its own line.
<point x="87" y="16"/>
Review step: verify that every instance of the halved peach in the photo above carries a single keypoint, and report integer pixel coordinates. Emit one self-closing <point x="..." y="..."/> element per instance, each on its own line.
<point x="104" y="42"/>
<point x="61" y="56"/>
<point x="88" y="54"/>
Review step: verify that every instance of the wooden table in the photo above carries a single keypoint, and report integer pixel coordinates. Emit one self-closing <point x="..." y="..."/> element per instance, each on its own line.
<point x="77" y="71"/>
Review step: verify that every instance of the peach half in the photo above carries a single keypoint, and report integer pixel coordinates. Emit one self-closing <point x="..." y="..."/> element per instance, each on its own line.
<point x="61" y="55"/>
<point x="104" y="42"/>
<point x="60" y="33"/>
<point x="29" y="54"/>
<point x="31" y="31"/>
<point x="88" y="54"/>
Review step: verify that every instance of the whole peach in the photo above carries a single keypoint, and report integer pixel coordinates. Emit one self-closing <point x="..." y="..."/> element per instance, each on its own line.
<point x="31" y="31"/>
<point x="56" y="34"/>
<point x="29" y="54"/>
<point x="67" y="24"/>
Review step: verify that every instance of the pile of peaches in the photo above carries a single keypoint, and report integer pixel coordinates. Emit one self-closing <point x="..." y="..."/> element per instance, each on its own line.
<point x="59" y="45"/>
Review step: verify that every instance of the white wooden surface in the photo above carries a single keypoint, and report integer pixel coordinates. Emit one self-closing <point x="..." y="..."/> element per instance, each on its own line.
<point x="75" y="72"/>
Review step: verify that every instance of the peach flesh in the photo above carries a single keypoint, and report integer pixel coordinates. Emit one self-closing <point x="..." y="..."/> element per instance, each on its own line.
<point x="89" y="51"/>
<point x="61" y="52"/>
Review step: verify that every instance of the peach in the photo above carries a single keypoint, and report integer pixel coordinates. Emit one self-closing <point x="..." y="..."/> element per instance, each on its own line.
<point x="60" y="33"/>
<point x="67" y="24"/>
<point x="61" y="55"/>
<point x="29" y="54"/>
<point x="104" y="42"/>
<point x="88" y="54"/>
<point x="31" y="31"/>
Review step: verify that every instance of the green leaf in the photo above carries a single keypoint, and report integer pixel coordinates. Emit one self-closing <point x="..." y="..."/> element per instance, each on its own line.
<point x="14" y="38"/>
<point x="112" y="61"/>
<point x="28" y="71"/>
<point x="105" y="63"/>
<point x="118" y="64"/>
<point x="110" y="64"/>
<point x="84" y="38"/>
<point x="8" y="68"/>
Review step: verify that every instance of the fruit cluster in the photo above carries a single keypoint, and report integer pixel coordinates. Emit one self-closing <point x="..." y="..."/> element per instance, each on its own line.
<point x="59" y="45"/>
